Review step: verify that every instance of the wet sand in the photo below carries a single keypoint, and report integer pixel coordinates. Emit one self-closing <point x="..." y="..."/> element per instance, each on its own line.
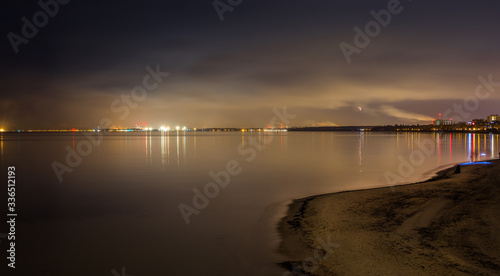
<point x="449" y="225"/>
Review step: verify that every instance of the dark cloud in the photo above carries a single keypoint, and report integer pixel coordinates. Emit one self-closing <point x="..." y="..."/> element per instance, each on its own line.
<point x="232" y="73"/>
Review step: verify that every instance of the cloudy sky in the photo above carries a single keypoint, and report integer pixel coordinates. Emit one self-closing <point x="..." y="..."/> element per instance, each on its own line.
<point x="232" y="73"/>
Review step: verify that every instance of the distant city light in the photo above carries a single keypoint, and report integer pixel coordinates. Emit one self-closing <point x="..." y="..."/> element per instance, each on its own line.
<point x="1" y="130"/>
<point x="184" y="128"/>
<point x="177" y="128"/>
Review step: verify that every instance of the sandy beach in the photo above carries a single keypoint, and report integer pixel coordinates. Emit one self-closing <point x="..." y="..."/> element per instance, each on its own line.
<point x="449" y="225"/>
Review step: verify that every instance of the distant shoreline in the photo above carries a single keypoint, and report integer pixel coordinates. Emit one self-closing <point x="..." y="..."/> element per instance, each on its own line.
<point x="368" y="129"/>
<point x="447" y="225"/>
<point x="387" y="129"/>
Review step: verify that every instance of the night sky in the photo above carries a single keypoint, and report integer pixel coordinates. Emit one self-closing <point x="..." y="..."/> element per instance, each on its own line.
<point x="232" y="73"/>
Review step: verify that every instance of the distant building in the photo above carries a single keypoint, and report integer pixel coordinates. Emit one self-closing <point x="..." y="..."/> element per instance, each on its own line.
<point x="441" y="122"/>
<point x="493" y="118"/>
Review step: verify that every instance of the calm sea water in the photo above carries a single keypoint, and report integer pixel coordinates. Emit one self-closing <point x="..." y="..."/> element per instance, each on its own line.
<point x="119" y="207"/>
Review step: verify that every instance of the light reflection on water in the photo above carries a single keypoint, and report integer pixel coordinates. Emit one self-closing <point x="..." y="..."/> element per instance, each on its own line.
<point x="123" y="199"/>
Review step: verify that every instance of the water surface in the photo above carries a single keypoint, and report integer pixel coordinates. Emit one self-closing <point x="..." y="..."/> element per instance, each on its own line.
<point x="119" y="206"/>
